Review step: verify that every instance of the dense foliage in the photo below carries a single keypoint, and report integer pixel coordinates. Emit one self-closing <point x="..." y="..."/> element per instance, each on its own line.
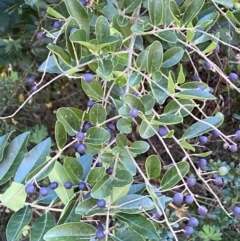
<point x="137" y="107"/>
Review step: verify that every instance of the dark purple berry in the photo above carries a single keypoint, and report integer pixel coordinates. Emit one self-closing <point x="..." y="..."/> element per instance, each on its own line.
<point x="53" y="185"/>
<point x="202" y="210"/>
<point x="218" y="181"/>
<point x="101" y="203"/>
<point x="90" y="103"/>
<point x="178" y="198"/>
<point x="68" y="184"/>
<point x="31" y="80"/>
<point x="43" y="191"/>
<point x="113" y="106"/>
<point x="217" y="48"/>
<point x="84" y="2"/>
<point x="200" y="87"/>
<point x="237" y="134"/>
<point x="111" y="127"/>
<point x="100" y="234"/>
<point x="215" y="133"/>
<point x="112" y="138"/>
<point x="73" y="30"/>
<point x="82" y="186"/>
<point x="191" y="181"/>
<point x="40" y="35"/>
<point x="109" y="171"/>
<point x="236" y="210"/>
<point x="188" y="230"/>
<point x="81" y="148"/>
<point x="100" y="227"/>
<point x="207" y="65"/>
<point x="57" y="24"/>
<point x="80" y="136"/>
<point x="162" y="131"/>
<point x="88" y="77"/>
<point x="202" y="163"/>
<point x="232" y="76"/>
<point x="30" y="188"/>
<point x="133" y="112"/>
<point x="155" y="214"/>
<point x="87" y="126"/>
<point x="211" y="90"/>
<point x="193" y="222"/>
<point x="203" y="140"/>
<point x="34" y="88"/>
<point x="233" y="148"/>
<point x="189" y="199"/>
<point x="195" y="77"/>
<point x="99" y="164"/>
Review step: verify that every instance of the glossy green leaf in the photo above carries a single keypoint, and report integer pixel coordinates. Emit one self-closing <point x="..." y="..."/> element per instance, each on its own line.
<point x="105" y="67"/>
<point x="102" y="29"/>
<point x="148" y="102"/>
<point x="93" y="90"/>
<point x="172" y="56"/>
<point x="13" y="155"/>
<point x="86" y="162"/>
<point x="172" y="177"/>
<point x="119" y="192"/>
<point x="200" y="128"/>
<point x="147" y="130"/>
<point x="14" y="197"/>
<point x="134" y="102"/>
<point x="109" y="11"/>
<point x="167" y="17"/>
<point x="137" y="188"/>
<point x="60" y="134"/>
<point x="126" y="163"/>
<point x="190" y="32"/>
<point x="159" y="94"/>
<point x="58" y="174"/>
<point x="102" y="188"/>
<point x="139" y="224"/>
<point x="171" y="85"/>
<point x="195" y="94"/>
<point x="124" y="125"/>
<point x="132" y="5"/>
<point x="3" y="143"/>
<point x="175" y="12"/>
<point x="131" y="203"/>
<point x="122" y="178"/>
<point x="97" y="114"/>
<point x="181" y="75"/>
<point x="192" y="10"/>
<point x="228" y="4"/>
<point x="78" y="12"/>
<point x="69" y="120"/>
<point x="33" y="159"/>
<point x="71" y="232"/>
<point x="52" y="12"/>
<point x="168" y="119"/>
<point x="95" y="175"/>
<point x="167" y="36"/>
<point x="73" y="169"/>
<point x="17" y="222"/>
<point x="107" y="157"/>
<point x="121" y="141"/>
<point x="155" y="57"/>
<point x="41" y="226"/>
<point x="139" y="147"/>
<point x="88" y="207"/>
<point x="186" y="145"/>
<point x="142" y="60"/>
<point x="155" y="9"/>
<point x="135" y="78"/>
<point x="127" y="235"/>
<point x="96" y="136"/>
<point x="153" y="167"/>
<point x="68" y="214"/>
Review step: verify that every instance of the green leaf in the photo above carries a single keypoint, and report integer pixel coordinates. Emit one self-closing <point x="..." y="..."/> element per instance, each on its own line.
<point x="33" y="159"/>
<point x="17" y="222"/>
<point x="124" y="125"/>
<point x="159" y="95"/>
<point x="131" y="203"/>
<point x="190" y="32"/>
<point x="102" y="29"/>
<point x="192" y="10"/>
<point x="73" y="169"/>
<point x="139" y="147"/>
<point x="107" y="157"/>
<point x="155" y="57"/>
<point x="97" y="114"/>
<point x="172" y="56"/>
<point x="148" y="102"/>
<point x="122" y="178"/>
<point x="171" y="85"/>
<point x="30" y="2"/>
<point x="105" y="67"/>
<point x="60" y="53"/>
<point x="134" y="102"/>
<point x="142" y="60"/>
<point x="121" y="141"/>
<point x="71" y="232"/>
<point x="54" y="13"/>
<point x="209" y="232"/>
<point x="147" y="130"/>
<point x="200" y="128"/>
<point x="60" y="134"/>
<point x="95" y="175"/>
<point x="127" y="235"/>
<point x="153" y="167"/>
<point x="102" y="188"/>
<point x="3" y="143"/>
<point x="38" y="134"/>
<point x="58" y="174"/>
<point x="93" y="90"/>
<point x="186" y="145"/>
<point x="181" y="76"/>
<point x="69" y="120"/>
<point x="41" y="226"/>
<point x="132" y="5"/>
<point x="168" y="119"/>
<point x="195" y="94"/>
<point x="172" y="177"/>
<point x="119" y="192"/>
<point x="167" y="36"/>
<point x="13" y="155"/>
<point x="96" y="136"/>
<point x="88" y="207"/>
<point x="14" y="197"/>
<point x="135" y="78"/>
<point x="155" y="9"/>
<point x="139" y="224"/>
<point x="228" y="4"/>
<point x="78" y="12"/>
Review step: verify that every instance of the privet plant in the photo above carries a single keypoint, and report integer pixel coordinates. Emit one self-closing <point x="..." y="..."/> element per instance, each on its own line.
<point x="144" y="167"/>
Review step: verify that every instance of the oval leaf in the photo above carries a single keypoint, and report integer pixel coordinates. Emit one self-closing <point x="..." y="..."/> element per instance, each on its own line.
<point x="172" y="56"/>
<point x="97" y="114"/>
<point x="96" y="136"/>
<point x="155" y="9"/>
<point x="155" y="57"/>
<point x="153" y="166"/>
